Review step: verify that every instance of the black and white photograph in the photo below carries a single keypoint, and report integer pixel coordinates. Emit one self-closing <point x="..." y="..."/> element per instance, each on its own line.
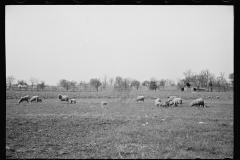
<point x="119" y="81"/>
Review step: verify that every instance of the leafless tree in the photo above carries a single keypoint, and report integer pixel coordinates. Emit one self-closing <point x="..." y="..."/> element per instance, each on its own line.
<point x="32" y="81"/>
<point x="104" y="83"/>
<point x="111" y="81"/>
<point x="73" y="85"/>
<point x="10" y="80"/>
<point x="37" y="82"/>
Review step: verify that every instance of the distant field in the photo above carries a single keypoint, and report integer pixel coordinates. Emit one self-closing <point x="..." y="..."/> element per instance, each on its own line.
<point x="123" y="129"/>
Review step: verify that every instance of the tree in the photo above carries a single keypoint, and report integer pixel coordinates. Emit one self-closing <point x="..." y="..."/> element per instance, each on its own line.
<point x="210" y="84"/>
<point x="54" y="88"/>
<point x="127" y="83"/>
<point x="145" y="83"/>
<point x="36" y="82"/>
<point x="180" y="83"/>
<point x="32" y="80"/>
<point x="84" y="84"/>
<point x="135" y="83"/>
<point x="153" y="85"/>
<point x="10" y="80"/>
<point x="22" y="82"/>
<point x="211" y="78"/>
<point x="73" y="85"/>
<point x="104" y="83"/>
<point x="188" y="75"/>
<point x="42" y="85"/>
<point x="231" y="77"/>
<point x="65" y="84"/>
<point x="118" y="82"/>
<point x="111" y="81"/>
<point x="95" y="83"/>
<point x="162" y="83"/>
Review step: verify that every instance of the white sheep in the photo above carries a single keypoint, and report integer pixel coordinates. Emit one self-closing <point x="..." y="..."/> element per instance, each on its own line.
<point x="73" y="100"/>
<point x="157" y="102"/>
<point x="140" y="98"/>
<point x="177" y="101"/>
<point x="197" y="102"/>
<point x="24" y="98"/>
<point x="171" y="98"/>
<point x="63" y="98"/>
<point x="36" y="98"/>
<point x="103" y="103"/>
<point x="171" y="103"/>
<point x="165" y="104"/>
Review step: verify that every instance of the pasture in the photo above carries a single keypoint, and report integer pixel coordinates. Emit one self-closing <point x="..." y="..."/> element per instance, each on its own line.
<point x="124" y="128"/>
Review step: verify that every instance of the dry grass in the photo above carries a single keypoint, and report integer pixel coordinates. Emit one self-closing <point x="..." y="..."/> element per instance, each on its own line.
<point x="122" y="129"/>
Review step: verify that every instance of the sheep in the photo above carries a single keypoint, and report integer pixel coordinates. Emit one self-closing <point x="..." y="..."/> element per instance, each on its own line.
<point x="72" y="100"/>
<point x="24" y="98"/>
<point x="177" y="101"/>
<point x="157" y="102"/>
<point x="140" y="98"/>
<point x="217" y="97"/>
<point x="63" y="98"/>
<point x="36" y="98"/>
<point x="171" y="103"/>
<point x="165" y="104"/>
<point x="197" y="102"/>
<point x="103" y="103"/>
<point x="171" y="98"/>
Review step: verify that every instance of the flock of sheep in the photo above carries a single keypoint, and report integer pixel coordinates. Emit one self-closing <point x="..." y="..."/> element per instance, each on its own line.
<point x="61" y="97"/>
<point x="173" y="100"/>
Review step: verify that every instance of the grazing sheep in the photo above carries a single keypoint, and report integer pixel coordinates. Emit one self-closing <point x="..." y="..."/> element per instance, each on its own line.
<point x="217" y="97"/>
<point x="72" y="100"/>
<point x="157" y="102"/>
<point x="171" y="103"/>
<point x="140" y="98"/>
<point x="36" y="98"/>
<point x="177" y="101"/>
<point x="63" y="98"/>
<point x="197" y="102"/>
<point x="165" y="104"/>
<point x="24" y="98"/>
<point x="103" y="103"/>
<point x="171" y="98"/>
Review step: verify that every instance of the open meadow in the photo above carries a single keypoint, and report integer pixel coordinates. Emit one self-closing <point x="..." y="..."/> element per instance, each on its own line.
<point x="124" y="128"/>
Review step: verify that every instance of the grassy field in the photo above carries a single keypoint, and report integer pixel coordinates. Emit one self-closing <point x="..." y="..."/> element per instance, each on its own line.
<point x="124" y="128"/>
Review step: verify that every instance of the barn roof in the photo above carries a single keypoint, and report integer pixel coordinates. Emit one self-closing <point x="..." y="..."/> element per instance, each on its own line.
<point x="193" y="84"/>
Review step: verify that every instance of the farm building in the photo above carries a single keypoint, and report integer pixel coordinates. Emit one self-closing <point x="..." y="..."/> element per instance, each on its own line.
<point x="190" y="86"/>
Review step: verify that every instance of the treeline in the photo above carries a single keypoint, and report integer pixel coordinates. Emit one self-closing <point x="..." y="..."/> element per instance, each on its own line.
<point x="204" y="79"/>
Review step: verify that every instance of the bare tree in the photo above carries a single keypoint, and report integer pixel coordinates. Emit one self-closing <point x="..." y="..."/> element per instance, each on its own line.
<point x="10" y="80"/>
<point x="41" y="85"/>
<point x="162" y="83"/>
<point x="104" y="83"/>
<point x="135" y="83"/>
<point x="95" y="83"/>
<point x="73" y="85"/>
<point x="111" y="81"/>
<point x="37" y="82"/>
<point x="32" y="81"/>
<point x="65" y="84"/>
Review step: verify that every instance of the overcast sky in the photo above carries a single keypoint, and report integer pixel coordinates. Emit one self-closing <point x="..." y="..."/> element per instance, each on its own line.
<point x="78" y="43"/>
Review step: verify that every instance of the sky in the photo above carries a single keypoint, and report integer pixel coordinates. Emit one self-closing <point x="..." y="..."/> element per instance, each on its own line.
<point x="80" y="42"/>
